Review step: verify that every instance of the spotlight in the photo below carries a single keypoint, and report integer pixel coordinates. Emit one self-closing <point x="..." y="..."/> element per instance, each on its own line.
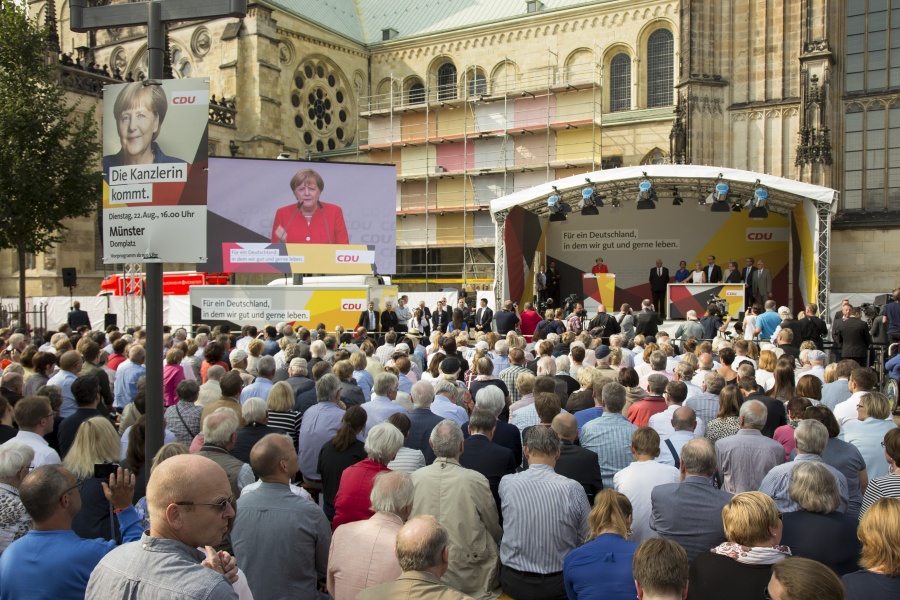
<point x="590" y="201"/>
<point x="646" y="196"/>
<point x="760" y="199"/>
<point x="557" y="209"/>
<point x="736" y="207"/>
<point x="676" y="199"/>
<point x="719" y="198"/>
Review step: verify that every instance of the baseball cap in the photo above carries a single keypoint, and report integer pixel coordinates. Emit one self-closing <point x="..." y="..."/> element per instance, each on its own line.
<point x="237" y="357"/>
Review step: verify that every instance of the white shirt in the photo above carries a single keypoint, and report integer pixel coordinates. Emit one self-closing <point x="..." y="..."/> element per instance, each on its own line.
<point x="742" y="359"/>
<point x="846" y="410"/>
<point x="678" y="440"/>
<point x="815" y="370"/>
<point x="43" y="453"/>
<point x="636" y="481"/>
<point x="662" y="423"/>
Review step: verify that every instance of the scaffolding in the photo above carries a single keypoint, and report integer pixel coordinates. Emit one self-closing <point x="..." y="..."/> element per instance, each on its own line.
<point x="459" y="147"/>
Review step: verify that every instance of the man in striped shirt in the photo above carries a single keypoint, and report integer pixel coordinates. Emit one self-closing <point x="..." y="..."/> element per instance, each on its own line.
<point x="509" y="375"/>
<point x="544" y="516"/>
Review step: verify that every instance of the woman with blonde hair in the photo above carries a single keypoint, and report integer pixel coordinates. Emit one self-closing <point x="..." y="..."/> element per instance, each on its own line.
<point x="766" y="369"/>
<point x="95" y="443"/>
<point x="879" y="532"/>
<point x="602" y="567"/>
<point x="873" y="409"/>
<point x="818" y="531"/>
<point x="282" y="415"/>
<point x="254" y="349"/>
<point x="741" y="567"/>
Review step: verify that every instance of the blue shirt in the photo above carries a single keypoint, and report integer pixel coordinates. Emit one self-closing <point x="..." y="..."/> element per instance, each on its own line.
<point x="501" y="363"/>
<point x="365" y="381"/>
<point x="258" y="389"/>
<point x="404" y="384"/>
<point x="56" y="565"/>
<point x="445" y="409"/>
<point x="609" y="437"/>
<point x="379" y="409"/>
<point x="681" y="275"/>
<point x="320" y="423"/>
<point x="777" y="482"/>
<point x="767" y="323"/>
<point x="63" y="380"/>
<point x="587" y="415"/>
<point x="127" y="376"/>
<point x="601" y="569"/>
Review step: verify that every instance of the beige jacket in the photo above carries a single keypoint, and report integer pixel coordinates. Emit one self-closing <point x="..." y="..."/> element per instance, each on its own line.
<point x="460" y="499"/>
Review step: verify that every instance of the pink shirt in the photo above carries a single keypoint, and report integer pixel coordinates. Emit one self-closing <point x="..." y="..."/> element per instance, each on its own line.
<point x="362" y="555"/>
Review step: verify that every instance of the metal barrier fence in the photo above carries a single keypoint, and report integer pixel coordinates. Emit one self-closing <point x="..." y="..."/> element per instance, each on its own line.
<point x="35" y="317"/>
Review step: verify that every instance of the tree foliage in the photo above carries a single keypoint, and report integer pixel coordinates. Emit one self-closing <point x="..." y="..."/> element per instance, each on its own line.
<point x="48" y="155"/>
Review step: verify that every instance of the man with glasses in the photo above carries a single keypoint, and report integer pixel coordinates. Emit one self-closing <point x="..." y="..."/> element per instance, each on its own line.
<point x="190" y="504"/>
<point x="35" y="419"/>
<point x="52" y="496"/>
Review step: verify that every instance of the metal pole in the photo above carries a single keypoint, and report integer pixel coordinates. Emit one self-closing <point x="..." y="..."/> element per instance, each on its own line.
<point x="154" y="274"/>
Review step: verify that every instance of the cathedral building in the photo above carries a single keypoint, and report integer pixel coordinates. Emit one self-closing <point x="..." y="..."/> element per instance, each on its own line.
<point x="475" y="100"/>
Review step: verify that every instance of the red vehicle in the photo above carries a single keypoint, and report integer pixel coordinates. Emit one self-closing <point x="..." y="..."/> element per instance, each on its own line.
<point x="175" y="283"/>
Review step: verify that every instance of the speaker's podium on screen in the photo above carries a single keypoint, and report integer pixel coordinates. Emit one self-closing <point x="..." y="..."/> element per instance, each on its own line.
<point x="599" y="288"/>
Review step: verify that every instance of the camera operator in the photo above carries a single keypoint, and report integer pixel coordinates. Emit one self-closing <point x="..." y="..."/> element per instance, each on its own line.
<point x="508" y="318"/>
<point x="575" y="321"/>
<point x="711" y="323"/>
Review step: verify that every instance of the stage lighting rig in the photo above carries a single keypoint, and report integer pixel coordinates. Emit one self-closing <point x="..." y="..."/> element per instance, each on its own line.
<point x="759" y="201"/>
<point x="557" y="208"/>
<point x="590" y="200"/>
<point x="676" y="198"/>
<point x="720" y="198"/>
<point x="646" y="198"/>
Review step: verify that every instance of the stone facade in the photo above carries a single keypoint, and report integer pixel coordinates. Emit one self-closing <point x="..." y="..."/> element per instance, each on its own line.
<point x="759" y="85"/>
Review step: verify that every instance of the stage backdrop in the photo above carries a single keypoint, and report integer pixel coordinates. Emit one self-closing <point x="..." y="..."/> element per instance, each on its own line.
<point x="357" y="235"/>
<point x="630" y="242"/>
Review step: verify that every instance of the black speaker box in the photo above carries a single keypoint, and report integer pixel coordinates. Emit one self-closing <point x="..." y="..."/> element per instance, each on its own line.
<point x="70" y="277"/>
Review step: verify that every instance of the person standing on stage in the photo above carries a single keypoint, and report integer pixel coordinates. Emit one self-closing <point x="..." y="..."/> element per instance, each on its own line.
<point x="659" y="279"/>
<point x="713" y="271"/>
<point x="698" y="275"/>
<point x="553" y="281"/>
<point x="762" y="283"/>
<point x="747" y="275"/>
<point x="540" y="282"/>
<point x="733" y="275"/>
<point x="682" y="274"/>
<point x="599" y="267"/>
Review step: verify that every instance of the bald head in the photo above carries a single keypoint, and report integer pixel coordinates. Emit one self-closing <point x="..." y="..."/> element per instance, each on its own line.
<point x="422" y="544"/>
<point x="70" y="361"/>
<point x="267" y="454"/>
<point x="566" y="426"/>
<point x="684" y="419"/>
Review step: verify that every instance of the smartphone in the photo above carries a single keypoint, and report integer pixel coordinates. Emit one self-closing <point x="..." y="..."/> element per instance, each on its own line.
<point x="104" y="470"/>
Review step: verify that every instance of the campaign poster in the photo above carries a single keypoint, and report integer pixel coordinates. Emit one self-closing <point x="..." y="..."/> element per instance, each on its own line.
<point x="155" y="159"/>
<point x="285" y="217"/>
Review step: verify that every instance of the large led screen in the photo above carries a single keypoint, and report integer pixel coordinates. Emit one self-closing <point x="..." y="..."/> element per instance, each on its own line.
<point x="281" y="216"/>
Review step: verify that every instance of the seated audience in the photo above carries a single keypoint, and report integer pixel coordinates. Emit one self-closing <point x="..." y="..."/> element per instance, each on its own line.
<point x="352" y="500"/>
<point x="742" y="566"/>
<point x="817" y="531"/>
<point x="804" y="579"/>
<point x="660" y="570"/>
<point x="460" y="499"/>
<point x="362" y="553"/>
<point x="280" y="540"/>
<point x="879" y="533"/>
<point x="602" y="567"/>
<point x="690" y="512"/>
<point x="423" y="551"/>
<point x="15" y="459"/>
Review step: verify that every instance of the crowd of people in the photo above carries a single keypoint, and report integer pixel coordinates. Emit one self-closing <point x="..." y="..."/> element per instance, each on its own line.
<point x="571" y="460"/>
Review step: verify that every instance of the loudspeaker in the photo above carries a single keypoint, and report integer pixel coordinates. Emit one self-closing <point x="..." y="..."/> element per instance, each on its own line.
<point x="110" y="319"/>
<point x="70" y="277"/>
